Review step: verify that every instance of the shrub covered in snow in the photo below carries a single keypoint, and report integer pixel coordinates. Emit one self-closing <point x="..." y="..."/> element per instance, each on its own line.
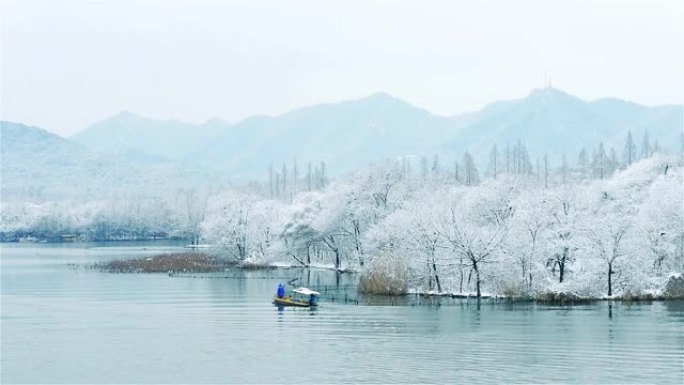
<point x="386" y="275"/>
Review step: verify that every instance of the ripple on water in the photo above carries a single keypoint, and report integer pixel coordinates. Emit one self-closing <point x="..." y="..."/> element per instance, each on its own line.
<point x="62" y="325"/>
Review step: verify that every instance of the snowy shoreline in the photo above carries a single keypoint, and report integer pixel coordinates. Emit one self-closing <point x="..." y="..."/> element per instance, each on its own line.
<point x="199" y="262"/>
<point x="555" y="297"/>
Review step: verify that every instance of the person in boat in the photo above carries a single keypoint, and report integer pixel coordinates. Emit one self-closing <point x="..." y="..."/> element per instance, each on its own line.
<point x="281" y="290"/>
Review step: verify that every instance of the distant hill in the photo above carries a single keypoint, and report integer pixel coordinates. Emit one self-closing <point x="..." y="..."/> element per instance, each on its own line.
<point x="554" y="122"/>
<point x="345" y="135"/>
<point x="350" y="134"/>
<point x="37" y="165"/>
<point x="137" y="153"/>
<point x="128" y="133"/>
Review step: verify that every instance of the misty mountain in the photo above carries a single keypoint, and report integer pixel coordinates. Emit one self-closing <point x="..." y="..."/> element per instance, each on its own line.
<point x="128" y="134"/>
<point x="350" y="134"/>
<point x="131" y="152"/>
<point x="345" y="135"/>
<point x="37" y="164"/>
<point x="554" y="122"/>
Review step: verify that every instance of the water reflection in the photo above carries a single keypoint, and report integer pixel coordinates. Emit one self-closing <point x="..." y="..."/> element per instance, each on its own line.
<point x="224" y="327"/>
<point x="675" y="308"/>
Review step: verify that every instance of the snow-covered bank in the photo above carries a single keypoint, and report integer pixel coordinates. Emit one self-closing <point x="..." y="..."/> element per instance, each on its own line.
<point x="590" y="230"/>
<point x="673" y="289"/>
<point x="613" y="234"/>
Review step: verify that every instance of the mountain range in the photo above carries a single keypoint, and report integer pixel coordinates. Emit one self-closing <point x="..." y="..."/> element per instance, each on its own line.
<point x="353" y="133"/>
<point x="138" y="152"/>
<point x="39" y="165"/>
<point x="127" y="132"/>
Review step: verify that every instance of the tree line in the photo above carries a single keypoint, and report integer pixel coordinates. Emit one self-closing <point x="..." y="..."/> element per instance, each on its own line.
<point x="599" y="226"/>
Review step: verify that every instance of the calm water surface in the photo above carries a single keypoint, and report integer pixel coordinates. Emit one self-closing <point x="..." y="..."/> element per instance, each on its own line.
<point x="63" y="324"/>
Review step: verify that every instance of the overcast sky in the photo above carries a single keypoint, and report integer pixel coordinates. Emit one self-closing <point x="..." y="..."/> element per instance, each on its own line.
<point x="67" y="64"/>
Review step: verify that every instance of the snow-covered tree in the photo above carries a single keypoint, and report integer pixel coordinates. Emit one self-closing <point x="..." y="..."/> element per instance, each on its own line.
<point x="471" y="176"/>
<point x="606" y="233"/>
<point x="526" y="245"/>
<point x="564" y="217"/>
<point x="494" y="162"/>
<point x="242" y="226"/>
<point x="476" y="224"/>
<point x="630" y="152"/>
<point x="646" y="149"/>
<point x="583" y="161"/>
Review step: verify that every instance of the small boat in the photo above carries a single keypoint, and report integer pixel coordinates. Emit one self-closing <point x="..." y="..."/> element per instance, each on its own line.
<point x="198" y="246"/>
<point x="301" y="297"/>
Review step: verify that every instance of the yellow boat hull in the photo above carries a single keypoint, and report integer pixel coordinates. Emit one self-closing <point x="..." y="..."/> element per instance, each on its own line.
<point x="289" y="301"/>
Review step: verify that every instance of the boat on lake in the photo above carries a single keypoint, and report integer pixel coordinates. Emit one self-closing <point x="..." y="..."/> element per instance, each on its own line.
<point x="301" y="297"/>
<point x="198" y="246"/>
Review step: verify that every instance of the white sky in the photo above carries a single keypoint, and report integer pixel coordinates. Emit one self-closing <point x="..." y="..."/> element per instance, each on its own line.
<point x="67" y="64"/>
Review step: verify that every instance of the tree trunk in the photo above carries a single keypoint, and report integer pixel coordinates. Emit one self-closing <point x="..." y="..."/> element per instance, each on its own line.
<point x="357" y="240"/>
<point x="530" y="286"/>
<point x="477" y="279"/>
<point x="434" y="269"/>
<point x="610" y="279"/>
<point x="523" y="267"/>
<point x="561" y="264"/>
<point x="460" y="287"/>
<point x="330" y="241"/>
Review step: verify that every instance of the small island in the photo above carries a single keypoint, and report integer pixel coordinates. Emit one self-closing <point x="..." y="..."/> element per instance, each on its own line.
<point x="164" y="263"/>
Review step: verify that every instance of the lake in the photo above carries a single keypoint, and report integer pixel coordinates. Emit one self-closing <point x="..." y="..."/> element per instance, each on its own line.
<point x="62" y="323"/>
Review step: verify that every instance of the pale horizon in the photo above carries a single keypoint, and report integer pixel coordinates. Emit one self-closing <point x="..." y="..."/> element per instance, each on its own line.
<point x="66" y="65"/>
<point x="200" y="121"/>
